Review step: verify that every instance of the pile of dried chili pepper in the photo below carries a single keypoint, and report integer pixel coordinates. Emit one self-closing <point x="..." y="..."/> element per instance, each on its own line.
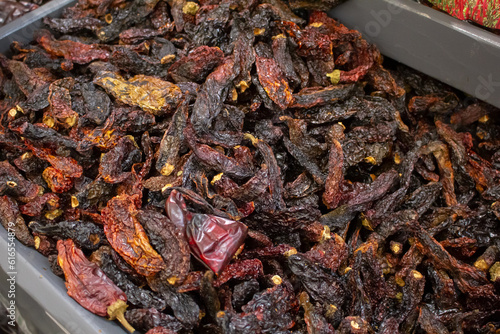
<point x="245" y="166"/>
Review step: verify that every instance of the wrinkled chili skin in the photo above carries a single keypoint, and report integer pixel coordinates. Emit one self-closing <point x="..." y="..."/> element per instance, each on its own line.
<point x="216" y="247"/>
<point x="316" y="322"/>
<point x="168" y="152"/>
<point x="243" y="270"/>
<point x="14" y="184"/>
<point x="135" y="295"/>
<point x="176" y="209"/>
<point x="271" y="78"/>
<point x="209" y="295"/>
<point x="67" y="166"/>
<point x="320" y="285"/>
<point x="120" y="157"/>
<point x="212" y="94"/>
<point x="13" y="222"/>
<point x="183" y="306"/>
<point x="76" y="52"/>
<point x="148" y="319"/>
<point x="134" y="13"/>
<point x="127" y="237"/>
<point x="335" y="175"/>
<point x="213" y="240"/>
<point x="262" y="312"/>
<point x="85" y="281"/>
<point x="86" y="235"/>
<point x="149" y="93"/>
<point x="196" y="65"/>
<point x="215" y="160"/>
<point x="56" y="181"/>
<point x="170" y="243"/>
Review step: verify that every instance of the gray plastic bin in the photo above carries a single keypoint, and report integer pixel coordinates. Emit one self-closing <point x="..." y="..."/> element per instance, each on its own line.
<point x="22" y="29"/>
<point x="458" y="53"/>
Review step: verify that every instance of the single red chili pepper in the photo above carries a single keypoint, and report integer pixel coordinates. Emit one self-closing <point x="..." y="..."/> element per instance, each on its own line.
<point x="213" y="240"/>
<point x="89" y="286"/>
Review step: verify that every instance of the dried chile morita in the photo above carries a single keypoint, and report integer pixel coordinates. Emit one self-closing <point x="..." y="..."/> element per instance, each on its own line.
<point x="248" y="167"/>
<point x="86" y="235"/>
<point x="136" y="295"/>
<point x="170" y="243"/>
